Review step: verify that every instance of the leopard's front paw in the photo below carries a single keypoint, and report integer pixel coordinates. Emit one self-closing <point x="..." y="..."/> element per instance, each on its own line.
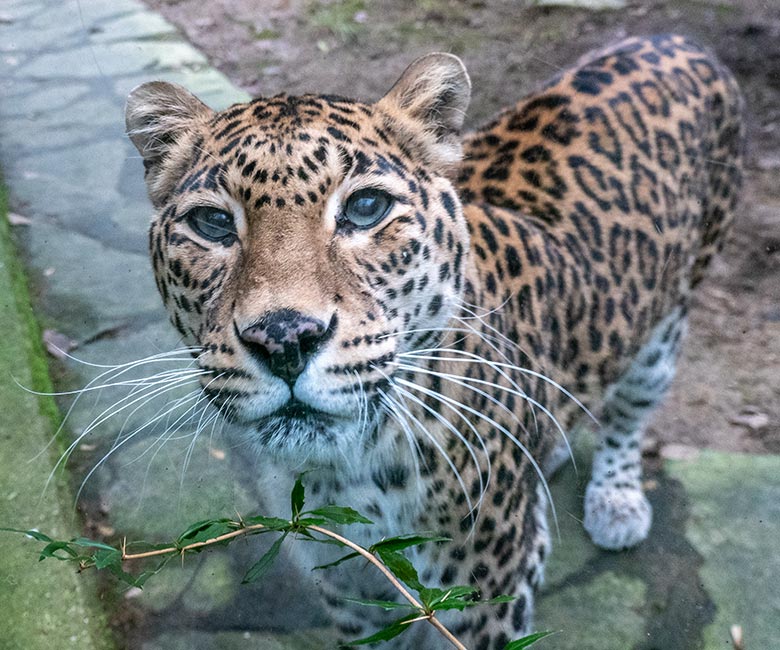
<point x="616" y="518"/>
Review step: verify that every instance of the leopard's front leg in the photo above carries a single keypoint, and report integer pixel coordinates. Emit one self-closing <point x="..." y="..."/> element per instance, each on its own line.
<point x="503" y="556"/>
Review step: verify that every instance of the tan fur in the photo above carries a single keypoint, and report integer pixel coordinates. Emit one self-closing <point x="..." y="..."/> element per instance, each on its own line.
<point x="470" y="326"/>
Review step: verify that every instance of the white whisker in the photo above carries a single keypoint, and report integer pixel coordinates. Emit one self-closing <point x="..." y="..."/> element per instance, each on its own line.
<point x="420" y="354"/>
<point x="483" y="483"/>
<point x="463" y="380"/>
<point x="112" y="410"/>
<point x="117" y="369"/>
<point x="432" y="439"/>
<point x="125" y="441"/>
<point x="392" y="408"/>
<point x="507" y="433"/>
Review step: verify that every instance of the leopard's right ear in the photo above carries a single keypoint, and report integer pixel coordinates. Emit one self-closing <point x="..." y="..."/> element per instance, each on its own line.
<point x="157" y="115"/>
<point x="434" y="91"/>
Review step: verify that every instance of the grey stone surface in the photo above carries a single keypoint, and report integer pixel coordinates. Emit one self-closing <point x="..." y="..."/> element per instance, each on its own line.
<point x="316" y="640"/>
<point x="734" y="523"/>
<point x="65" y="68"/>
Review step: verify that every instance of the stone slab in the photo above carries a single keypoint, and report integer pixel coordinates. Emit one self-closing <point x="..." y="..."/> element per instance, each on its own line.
<point x="67" y="66"/>
<point x="711" y="561"/>
<point x="734" y="523"/>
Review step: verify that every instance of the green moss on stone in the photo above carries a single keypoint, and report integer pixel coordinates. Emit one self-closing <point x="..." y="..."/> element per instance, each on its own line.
<point x="569" y="612"/>
<point x="43" y="605"/>
<point x="734" y="523"/>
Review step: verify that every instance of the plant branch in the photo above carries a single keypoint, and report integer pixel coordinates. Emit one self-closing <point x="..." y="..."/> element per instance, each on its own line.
<point x="189" y="547"/>
<point x="371" y="558"/>
<point x="245" y="530"/>
<point x="429" y="616"/>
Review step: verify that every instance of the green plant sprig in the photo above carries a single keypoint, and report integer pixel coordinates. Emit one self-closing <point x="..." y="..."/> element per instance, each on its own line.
<point x="308" y="525"/>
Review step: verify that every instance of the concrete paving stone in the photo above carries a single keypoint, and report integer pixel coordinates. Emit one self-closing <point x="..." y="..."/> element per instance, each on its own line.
<point x="315" y="640"/>
<point x="734" y="522"/>
<point x="199" y="585"/>
<point x="115" y="59"/>
<point x="98" y="159"/>
<point x="33" y="34"/>
<point x="72" y="14"/>
<point x="39" y="99"/>
<point x="621" y="626"/>
<point x="19" y="10"/>
<point x="51" y="142"/>
<point x="575" y="579"/>
<point x="74" y="270"/>
<point x="151" y="495"/>
<point x="710" y="562"/>
<point x="132" y="25"/>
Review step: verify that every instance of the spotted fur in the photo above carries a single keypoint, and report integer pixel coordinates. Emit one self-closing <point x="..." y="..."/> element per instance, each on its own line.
<point x="427" y="365"/>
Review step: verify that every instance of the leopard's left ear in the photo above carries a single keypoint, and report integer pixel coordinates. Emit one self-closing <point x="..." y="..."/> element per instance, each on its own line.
<point x="155" y="114"/>
<point x="161" y="119"/>
<point x="435" y="91"/>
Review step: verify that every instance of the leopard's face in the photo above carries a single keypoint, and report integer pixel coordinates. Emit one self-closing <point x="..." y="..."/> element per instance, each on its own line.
<point x="302" y="243"/>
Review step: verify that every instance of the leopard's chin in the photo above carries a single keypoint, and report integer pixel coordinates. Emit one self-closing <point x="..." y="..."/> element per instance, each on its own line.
<point x="296" y="424"/>
<point x="298" y="433"/>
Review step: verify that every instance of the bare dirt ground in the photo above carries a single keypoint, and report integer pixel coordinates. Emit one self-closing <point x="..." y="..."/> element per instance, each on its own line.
<point x="727" y="393"/>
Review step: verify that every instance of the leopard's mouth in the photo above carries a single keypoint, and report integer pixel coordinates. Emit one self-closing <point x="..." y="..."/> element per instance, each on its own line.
<point x="295" y="424"/>
<point x="295" y="409"/>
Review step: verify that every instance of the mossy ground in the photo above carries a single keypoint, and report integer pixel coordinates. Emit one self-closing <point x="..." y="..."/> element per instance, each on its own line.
<point x="42" y="605"/>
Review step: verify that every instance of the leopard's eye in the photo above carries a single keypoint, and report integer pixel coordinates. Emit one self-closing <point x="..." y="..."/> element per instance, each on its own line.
<point x="213" y="224"/>
<point x="367" y="207"/>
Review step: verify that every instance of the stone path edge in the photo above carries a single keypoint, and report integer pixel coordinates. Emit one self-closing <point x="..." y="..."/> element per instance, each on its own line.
<point x="32" y="615"/>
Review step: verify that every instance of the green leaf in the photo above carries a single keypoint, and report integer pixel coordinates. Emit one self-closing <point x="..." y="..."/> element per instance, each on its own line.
<point x="297" y="497"/>
<point x="310" y="521"/>
<point x="90" y="543"/>
<point x="30" y="533"/>
<point x="390" y="632"/>
<point x="463" y="603"/>
<point x="450" y="598"/>
<point x="348" y="556"/>
<point x="526" y="641"/>
<point x="431" y="594"/>
<point x="272" y="523"/>
<point x="205" y="530"/>
<point x="496" y="601"/>
<point x="405" y="541"/>
<point x="261" y="567"/>
<point x="340" y="515"/>
<point x="104" y="558"/>
<point x="50" y="550"/>
<point x="401" y="568"/>
<point x="384" y="604"/>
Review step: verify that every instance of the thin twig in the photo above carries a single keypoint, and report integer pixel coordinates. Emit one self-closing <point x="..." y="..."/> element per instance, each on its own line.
<point x="394" y="581"/>
<point x="430" y="617"/>
<point x="183" y="549"/>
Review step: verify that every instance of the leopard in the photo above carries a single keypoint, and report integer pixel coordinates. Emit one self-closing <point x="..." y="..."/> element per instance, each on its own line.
<point x="419" y="316"/>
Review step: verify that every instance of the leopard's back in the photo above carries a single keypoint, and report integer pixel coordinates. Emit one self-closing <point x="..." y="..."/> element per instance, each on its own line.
<point x="643" y="136"/>
<point x="629" y="164"/>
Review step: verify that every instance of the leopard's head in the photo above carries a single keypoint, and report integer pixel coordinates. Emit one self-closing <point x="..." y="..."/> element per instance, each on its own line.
<point x="303" y="242"/>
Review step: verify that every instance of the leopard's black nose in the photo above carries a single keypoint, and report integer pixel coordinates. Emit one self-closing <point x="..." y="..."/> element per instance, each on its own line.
<point x="286" y="340"/>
